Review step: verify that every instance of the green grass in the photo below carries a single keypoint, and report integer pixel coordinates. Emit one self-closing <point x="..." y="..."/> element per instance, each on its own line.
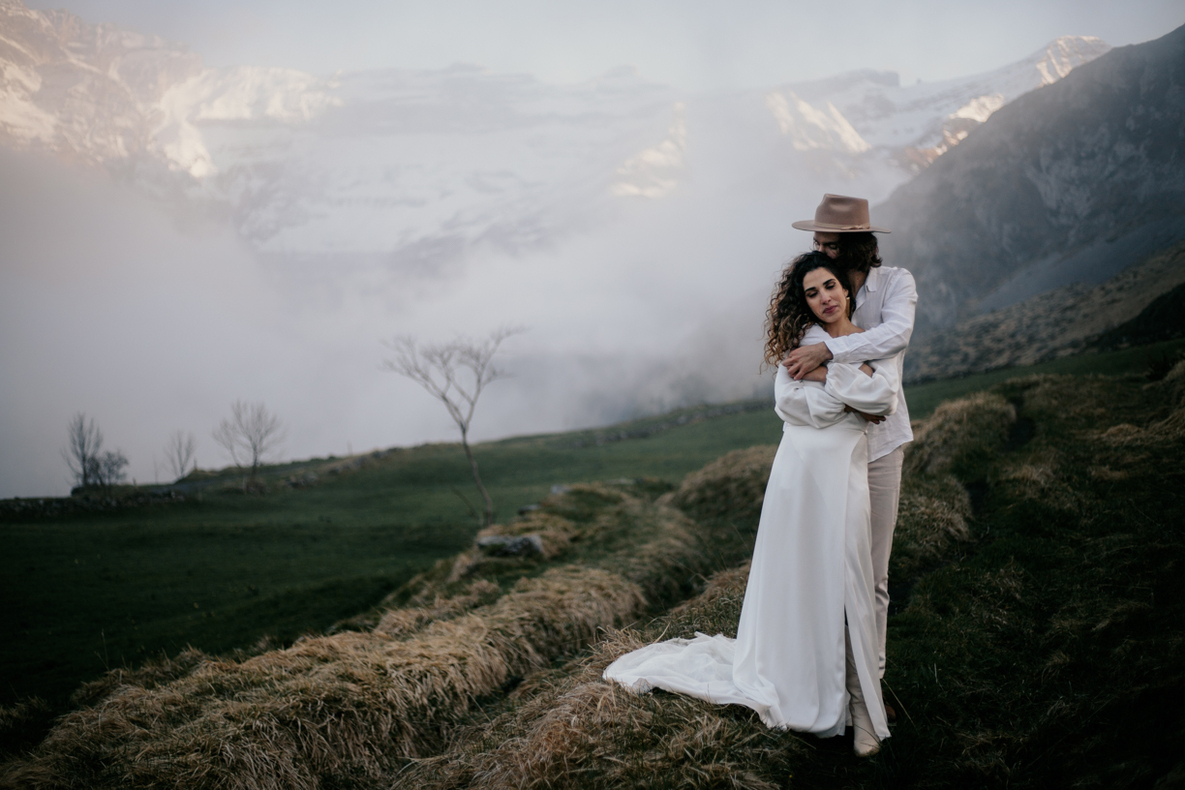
<point x="924" y="398"/>
<point x="89" y="592"/>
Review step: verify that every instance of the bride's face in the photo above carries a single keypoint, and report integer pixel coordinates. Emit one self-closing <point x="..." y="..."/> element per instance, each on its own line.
<point x="825" y="296"/>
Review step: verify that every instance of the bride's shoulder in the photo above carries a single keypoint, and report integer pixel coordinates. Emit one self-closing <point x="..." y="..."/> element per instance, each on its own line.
<point x="813" y="334"/>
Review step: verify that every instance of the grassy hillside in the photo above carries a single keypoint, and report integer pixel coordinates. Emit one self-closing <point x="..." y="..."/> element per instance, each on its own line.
<point x="222" y="570"/>
<point x="1035" y="637"/>
<point x="86" y="592"/>
<point x="335" y="549"/>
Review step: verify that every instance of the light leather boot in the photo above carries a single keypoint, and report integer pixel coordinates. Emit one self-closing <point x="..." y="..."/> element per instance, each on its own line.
<point x="864" y="742"/>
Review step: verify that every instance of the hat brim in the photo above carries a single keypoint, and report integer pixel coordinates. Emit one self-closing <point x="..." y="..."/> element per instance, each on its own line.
<point x="810" y="224"/>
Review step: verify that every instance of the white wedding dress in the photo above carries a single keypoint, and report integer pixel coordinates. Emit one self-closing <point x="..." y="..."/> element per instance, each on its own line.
<point x="811" y="569"/>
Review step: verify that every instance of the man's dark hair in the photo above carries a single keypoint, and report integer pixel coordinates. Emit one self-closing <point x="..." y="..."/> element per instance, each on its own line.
<point x="858" y="252"/>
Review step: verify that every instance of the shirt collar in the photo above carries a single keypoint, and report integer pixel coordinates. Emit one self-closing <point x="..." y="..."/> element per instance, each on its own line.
<point x="871" y="282"/>
<point x="873" y="279"/>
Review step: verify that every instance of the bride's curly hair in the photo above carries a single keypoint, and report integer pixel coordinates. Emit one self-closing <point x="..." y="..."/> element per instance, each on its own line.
<point x="789" y="316"/>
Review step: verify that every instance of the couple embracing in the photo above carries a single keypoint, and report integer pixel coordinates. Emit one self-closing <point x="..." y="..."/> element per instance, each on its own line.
<point x="810" y="645"/>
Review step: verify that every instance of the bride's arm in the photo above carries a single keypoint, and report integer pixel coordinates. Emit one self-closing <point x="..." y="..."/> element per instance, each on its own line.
<point x="805" y="402"/>
<point x="874" y="394"/>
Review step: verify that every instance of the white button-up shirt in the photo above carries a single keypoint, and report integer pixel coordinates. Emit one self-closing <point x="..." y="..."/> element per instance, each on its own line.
<point x="884" y="309"/>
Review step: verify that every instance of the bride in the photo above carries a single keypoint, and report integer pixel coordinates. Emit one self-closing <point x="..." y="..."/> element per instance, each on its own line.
<point x="805" y="655"/>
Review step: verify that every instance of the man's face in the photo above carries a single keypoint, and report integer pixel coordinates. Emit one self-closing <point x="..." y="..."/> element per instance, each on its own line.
<point x="827" y="243"/>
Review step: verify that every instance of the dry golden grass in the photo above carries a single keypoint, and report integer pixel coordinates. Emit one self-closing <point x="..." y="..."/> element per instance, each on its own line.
<point x="554" y="531"/>
<point x="932" y="519"/>
<point x="405" y="621"/>
<point x="1169" y="429"/>
<point x="23" y="724"/>
<point x="147" y="676"/>
<point x="960" y="434"/>
<point x="732" y="485"/>
<point x="341" y="706"/>
<point x="570" y="728"/>
<point x="349" y="707"/>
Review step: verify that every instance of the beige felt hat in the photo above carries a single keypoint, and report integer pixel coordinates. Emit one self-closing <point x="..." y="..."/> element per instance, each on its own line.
<point x="840" y="214"/>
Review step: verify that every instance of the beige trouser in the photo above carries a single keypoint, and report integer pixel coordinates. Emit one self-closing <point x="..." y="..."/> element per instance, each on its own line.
<point x="884" y="491"/>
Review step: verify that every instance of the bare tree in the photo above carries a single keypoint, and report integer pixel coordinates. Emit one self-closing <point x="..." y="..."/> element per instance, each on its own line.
<point x="89" y="467"/>
<point x="179" y="453"/>
<point x="251" y="433"/>
<point x="455" y="373"/>
<point x="82" y="450"/>
<point x="111" y="468"/>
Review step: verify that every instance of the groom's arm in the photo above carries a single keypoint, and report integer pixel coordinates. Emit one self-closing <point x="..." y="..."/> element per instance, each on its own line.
<point x="893" y="332"/>
<point x="884" y="340"/>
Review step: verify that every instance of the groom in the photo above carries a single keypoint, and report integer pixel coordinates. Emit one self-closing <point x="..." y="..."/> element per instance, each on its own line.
<point x="885" y="302"/>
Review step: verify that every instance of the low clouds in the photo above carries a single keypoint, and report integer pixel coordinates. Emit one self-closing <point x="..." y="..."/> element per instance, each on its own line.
<point x="112" y="305"/>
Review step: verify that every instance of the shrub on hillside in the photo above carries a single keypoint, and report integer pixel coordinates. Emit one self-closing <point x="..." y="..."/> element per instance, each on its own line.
<point x="961" y="436"/>
<point x="732" y="486"/>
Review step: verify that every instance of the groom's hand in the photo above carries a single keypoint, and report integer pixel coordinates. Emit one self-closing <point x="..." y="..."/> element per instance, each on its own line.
<point x="875" y="419"/>
<point x="804" y="359"/>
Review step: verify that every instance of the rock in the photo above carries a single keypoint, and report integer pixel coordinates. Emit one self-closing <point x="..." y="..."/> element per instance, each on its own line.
<point x="302" y="481"/>
<point x="510" y="545"/>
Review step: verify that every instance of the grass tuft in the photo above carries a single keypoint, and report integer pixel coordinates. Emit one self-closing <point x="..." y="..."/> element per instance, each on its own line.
<point x="961" y="435"/>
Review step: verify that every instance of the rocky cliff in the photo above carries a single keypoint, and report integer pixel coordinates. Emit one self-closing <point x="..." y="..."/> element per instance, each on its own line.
<point x="1072" y="182"/>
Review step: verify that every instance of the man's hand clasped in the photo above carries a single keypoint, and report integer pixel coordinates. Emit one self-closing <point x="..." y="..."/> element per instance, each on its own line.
<point x="809" y="363"/>
<point x="805" y="359"/>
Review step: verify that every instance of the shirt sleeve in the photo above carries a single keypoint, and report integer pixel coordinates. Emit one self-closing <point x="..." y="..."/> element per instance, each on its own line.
<point x="805" y="402"/>
<point x="875" y="394"/>
<point x="892" y="335"/>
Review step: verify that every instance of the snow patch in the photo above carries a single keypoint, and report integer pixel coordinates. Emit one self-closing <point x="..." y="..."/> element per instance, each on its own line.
<point x="810" y="128"/>
<point x="1067" y="53"/>
<point x="656" y="172"/>
<point x="980" y="108"/>
<point x="285" y="96"/>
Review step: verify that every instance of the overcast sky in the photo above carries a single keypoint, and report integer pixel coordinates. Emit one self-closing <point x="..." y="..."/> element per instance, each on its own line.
<point x="690" y="44"/>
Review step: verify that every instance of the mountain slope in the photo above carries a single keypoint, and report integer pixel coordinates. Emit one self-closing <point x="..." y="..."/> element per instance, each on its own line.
<point x="1055" y="324"/>
<point x="1070" y="183"/>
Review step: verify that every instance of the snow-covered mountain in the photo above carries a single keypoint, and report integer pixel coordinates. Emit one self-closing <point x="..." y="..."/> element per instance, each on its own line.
<point x="414" y="170"/>
<point x="85" y="92"/>
<point x="868" y="110"/>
